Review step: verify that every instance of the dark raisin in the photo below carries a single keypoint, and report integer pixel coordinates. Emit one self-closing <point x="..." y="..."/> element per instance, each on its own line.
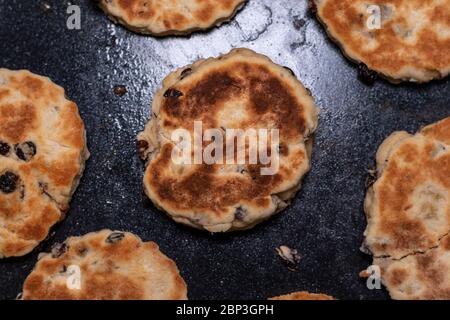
<point x="312" y="6"/>
<point x="371" y="178"/>
<point x="120" y="90"/>
<point x="290" y="70"/>
<point x="142" y="146"/>
<point x="365" y="248"/>
<point x="173" y="93"/>
<point x="59" y="249"/>
<point x="115" y="237"/>
<point x="4" y="148"/>
<point x="186" y="73"/>
<point x="240" y="213"/>
<point x="366" y="75"/>
<point x="283" y="149"/>
<point x="25" y="151"/>
<point x="22" y="191"/>
<point x="8" y="182"/>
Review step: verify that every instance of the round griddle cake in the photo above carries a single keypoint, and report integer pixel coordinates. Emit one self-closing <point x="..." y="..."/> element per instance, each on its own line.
<point x="170" y="17"/>
<point x="42" y="155"/>
<point x="240" y="90"/>
<point x="408" y="207"/>
<point x="412" y="43"/>
<point x="112" y="265"/>
<point x="303" y="295"/>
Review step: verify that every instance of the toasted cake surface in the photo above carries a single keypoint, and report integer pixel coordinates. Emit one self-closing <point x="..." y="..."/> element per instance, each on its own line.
<point x="42" y="155"/>
<point x="240" y="90"/>
<point x="408" y="207"/>
<point x="411" y="44"/>
<point x="165" y="17"/>
<point x="113" y="265"/>
<point x="424" y="276"/>
<point x="303" y="295"/>
<point x="408" y="213"/>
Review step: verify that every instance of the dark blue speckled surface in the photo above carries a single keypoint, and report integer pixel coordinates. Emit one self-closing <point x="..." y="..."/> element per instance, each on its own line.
<point x="326" y="221"/>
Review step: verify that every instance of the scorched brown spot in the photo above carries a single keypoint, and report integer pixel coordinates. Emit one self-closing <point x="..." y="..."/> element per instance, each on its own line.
<point x="17" y="121"/>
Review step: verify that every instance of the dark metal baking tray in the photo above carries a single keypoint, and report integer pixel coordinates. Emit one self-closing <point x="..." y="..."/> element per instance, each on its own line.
<point x="325" y="222"/>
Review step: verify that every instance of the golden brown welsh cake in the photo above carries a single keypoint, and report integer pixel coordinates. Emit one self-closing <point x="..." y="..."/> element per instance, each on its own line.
<point x="42" y="156"/>
<point x="408" y="211"/>
<point x="303" y="295"/>
<point x="170" y="17"/>
<point x="109" y="265"/>
<point x="240" y="90"/>
<point x="408" y="207"/>
<point x="412" y="43"/>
